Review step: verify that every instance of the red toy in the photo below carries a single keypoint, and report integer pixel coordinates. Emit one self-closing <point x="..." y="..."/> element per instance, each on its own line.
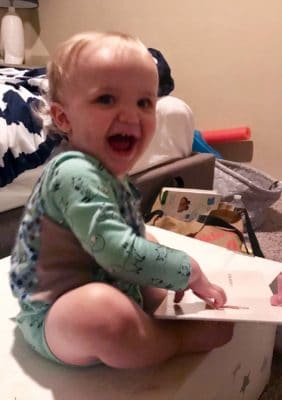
<point x="227" y="135"/>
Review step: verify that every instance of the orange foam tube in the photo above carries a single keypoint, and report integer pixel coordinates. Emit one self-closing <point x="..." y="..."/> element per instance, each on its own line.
<point x="227" y="135"/>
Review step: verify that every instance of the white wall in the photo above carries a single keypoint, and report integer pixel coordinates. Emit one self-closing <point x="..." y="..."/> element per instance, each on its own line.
<point x="226" y="56"/>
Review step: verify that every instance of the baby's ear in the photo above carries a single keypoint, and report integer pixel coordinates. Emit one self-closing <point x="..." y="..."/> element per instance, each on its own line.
<point x="60" y="118"/>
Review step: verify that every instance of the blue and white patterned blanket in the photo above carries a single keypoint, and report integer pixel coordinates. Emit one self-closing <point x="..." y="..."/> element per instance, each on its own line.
<point x="23" y="144"/>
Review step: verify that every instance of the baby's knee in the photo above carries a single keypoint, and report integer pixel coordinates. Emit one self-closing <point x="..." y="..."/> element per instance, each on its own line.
<point x="114" y="314"/>
<point x="152" y="298"/>
<point x="221" y="334"/>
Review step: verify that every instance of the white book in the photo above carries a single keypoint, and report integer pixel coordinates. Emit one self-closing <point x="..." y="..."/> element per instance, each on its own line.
<point x="187" y="204"/>
<point x="246" y="280"/>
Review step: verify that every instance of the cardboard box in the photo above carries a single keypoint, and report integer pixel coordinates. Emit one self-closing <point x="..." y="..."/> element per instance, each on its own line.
<point x="187" y="204"/>
<point x="238" y="370"/>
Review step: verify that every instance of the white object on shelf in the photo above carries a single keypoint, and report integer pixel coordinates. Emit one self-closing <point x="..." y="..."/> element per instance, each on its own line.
<point x="12" y="37"/>
<point x="237" y="202"/>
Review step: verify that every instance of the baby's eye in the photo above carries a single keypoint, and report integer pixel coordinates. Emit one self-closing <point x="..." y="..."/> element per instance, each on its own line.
<point x="106" y="99"/>
<point x="145" y="103"/>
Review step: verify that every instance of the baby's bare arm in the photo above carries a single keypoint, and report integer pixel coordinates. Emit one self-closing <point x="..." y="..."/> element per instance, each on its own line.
<point x="151" y="237"/>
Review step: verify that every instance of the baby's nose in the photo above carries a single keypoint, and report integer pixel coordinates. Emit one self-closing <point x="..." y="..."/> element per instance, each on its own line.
<point x="128" y="114"/>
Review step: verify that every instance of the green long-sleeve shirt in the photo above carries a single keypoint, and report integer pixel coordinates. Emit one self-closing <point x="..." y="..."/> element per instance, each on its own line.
<point x="81" y="224"/>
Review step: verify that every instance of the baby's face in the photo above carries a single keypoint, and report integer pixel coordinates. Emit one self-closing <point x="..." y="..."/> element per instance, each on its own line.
<point x="110" y="104"/>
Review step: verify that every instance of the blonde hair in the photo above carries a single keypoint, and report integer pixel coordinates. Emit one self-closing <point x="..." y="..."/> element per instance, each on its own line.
<point x="63" y="62"/>
<point x="66" y="56"/>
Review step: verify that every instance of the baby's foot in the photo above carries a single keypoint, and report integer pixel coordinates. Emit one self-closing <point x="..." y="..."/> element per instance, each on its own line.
<point x="276" y="299"/>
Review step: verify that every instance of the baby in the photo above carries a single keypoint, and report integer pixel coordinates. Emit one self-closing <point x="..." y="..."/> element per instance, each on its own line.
<point x="86" y="276"/>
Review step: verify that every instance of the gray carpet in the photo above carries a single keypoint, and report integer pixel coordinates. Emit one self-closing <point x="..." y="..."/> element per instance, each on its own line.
<point x="270" y="238"/>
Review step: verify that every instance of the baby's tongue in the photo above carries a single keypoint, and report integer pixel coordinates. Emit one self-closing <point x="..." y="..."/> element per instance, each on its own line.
<point x="121" y="142"/>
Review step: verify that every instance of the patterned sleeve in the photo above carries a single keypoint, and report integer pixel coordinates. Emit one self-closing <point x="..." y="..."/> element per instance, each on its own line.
<point x="87" y="202"/>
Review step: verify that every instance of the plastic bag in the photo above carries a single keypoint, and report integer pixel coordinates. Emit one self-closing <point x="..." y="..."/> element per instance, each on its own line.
<point x="258" y="190"/>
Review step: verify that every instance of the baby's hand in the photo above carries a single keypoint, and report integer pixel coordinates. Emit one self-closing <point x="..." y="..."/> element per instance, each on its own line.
<point x="200" y="285"/>
<point x="151" y="237"/>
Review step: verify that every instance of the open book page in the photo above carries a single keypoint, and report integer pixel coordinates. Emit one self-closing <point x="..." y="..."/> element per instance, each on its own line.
<point x="245" y="279"/>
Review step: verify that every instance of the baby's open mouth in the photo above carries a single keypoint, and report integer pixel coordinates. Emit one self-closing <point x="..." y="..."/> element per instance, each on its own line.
<point x="122" y="142"/>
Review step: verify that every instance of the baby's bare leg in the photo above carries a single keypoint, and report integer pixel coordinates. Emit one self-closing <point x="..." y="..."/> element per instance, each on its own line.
<point x="97" y="321"/>
<point x="152" y="298"/>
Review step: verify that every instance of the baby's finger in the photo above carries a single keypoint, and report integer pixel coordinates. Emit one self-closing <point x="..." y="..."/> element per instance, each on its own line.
<point x="219" y="296"/>
<point x="208" y="300"/>
<point x="178" y="296"/>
